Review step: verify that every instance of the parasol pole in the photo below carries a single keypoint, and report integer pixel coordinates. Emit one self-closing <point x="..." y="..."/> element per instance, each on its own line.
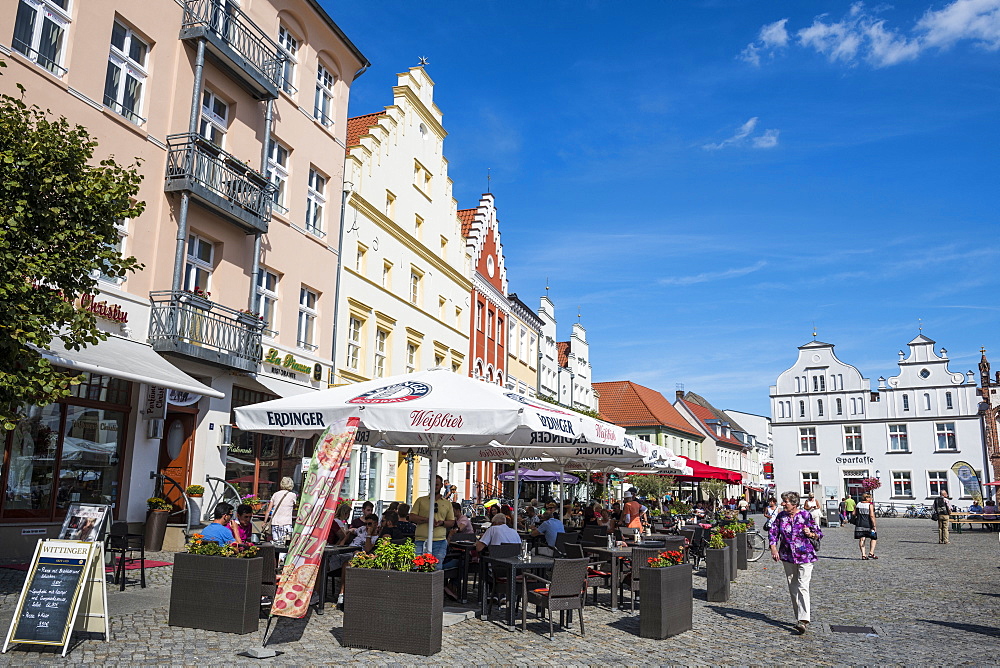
<point x="517" y="484"/>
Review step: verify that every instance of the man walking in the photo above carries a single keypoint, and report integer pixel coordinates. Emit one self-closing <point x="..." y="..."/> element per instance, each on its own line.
<point x="943" y="509"/>
<point x="744" y="507"/>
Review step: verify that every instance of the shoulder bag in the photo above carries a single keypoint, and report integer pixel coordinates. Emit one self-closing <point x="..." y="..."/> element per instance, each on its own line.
<point x="813" y="540"/>
<point x="265" y="530"/>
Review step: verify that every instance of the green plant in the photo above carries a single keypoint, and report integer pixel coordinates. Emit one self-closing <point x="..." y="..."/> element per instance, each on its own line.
<point x="655" y="512"/>
<point x="195" y="490"/>
<point x="209" y="548"/>
<point x="715" y="541"/>
<point x="157" y="503"/>
<point x="725" y="531"/>
<point x="738" y="527"/>
<point x="652" y="484"/>
<point x="680" y="508"/>
<point x="664" y="559"/>
<point x="387" y="556"/>
<point x="250" y="499"/>
<point x="58" y="233"/>
<point x="713" y="489"/>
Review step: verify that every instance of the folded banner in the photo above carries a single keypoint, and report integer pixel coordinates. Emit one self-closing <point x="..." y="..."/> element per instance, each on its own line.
<point x="317" y="507"/>
<point x="969" y="479"/>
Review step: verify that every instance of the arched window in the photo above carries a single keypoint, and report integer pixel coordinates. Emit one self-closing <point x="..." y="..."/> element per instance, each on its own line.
<point x="840" y="406"/>
<point x="819" y="407"/>
<point x="802" y="409"/>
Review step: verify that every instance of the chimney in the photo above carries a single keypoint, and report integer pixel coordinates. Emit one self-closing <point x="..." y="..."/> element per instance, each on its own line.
<point x="680" y="394"/>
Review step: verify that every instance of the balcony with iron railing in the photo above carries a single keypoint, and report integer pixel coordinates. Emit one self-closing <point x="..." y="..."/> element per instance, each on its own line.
<point x="194" y="326"/>
<point x="219" y="181"/>
<point x="236" y="43"/>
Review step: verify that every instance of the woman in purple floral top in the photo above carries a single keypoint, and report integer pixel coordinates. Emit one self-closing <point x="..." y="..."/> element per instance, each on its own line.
<point x="789" y="538"/>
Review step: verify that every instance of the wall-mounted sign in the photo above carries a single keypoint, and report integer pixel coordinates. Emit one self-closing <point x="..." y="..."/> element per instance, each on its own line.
<point x="277" y="362"/>
<point x="154" y="407"/>
<point x="182" y="398"/>
<point x="112" y="312"/>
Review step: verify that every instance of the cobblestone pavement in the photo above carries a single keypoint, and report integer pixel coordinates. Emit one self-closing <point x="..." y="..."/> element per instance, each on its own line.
<point x="932" y="604"/>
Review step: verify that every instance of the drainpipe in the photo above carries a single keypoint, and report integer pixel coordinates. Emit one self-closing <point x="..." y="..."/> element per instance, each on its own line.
<point x="182" y="226"/>
<point x="255" y="260"/>
<point x="348" y="187"/>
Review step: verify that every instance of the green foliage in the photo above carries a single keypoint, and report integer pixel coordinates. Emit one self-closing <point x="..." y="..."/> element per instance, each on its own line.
<point x="551" y="400"/>
<point x="387" y="556"/>
<point x="57" y="230"/>
<point x="680" y="508"/>
<point x="209" y="548"/>
<point x="715" y="541"/>
<point x="652" y="484"/>
<point x="195" y="490"/>
<point x="713" y="489"/>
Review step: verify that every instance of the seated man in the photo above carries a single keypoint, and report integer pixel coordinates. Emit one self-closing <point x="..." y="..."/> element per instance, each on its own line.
<point x="498" y="534"/>
<point x="550" y="527"/>
<point x="218" y="530"/>
<point x="990" y="513"/>
<point x="530" y="519"/>
<point x="978" y="510"/>
<point x="367" y="508"/>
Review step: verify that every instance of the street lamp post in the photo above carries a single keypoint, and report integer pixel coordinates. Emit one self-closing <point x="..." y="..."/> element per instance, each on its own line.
<point x="408" y="458"/>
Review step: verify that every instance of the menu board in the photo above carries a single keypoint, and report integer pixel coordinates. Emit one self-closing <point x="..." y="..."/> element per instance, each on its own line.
<point x="51" y="594"/>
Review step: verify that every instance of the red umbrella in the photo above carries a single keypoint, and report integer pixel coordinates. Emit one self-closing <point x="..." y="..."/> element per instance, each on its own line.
<point x="704" y="471"/>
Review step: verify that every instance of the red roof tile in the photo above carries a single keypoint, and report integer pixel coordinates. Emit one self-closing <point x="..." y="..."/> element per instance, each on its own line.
<point x="703" y="415"/>
<point x="357" y="127"/>
<point x="563" y="348"/>
<point x="466" y="216"/>
<point x="629" y="404"/>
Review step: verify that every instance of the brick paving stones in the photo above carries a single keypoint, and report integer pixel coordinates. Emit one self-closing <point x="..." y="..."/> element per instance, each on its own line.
<point x="934" y="604"/>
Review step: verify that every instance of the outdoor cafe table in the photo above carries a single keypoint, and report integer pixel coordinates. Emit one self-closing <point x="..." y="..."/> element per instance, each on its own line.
<point x="465" y="547"/>
<point x="512" y="565"/>
<point x="328" y="551"/>
<point x="614" y="555"/>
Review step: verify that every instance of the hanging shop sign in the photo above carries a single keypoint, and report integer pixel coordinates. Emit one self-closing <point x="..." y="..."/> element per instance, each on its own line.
<point x="182" y="398"/>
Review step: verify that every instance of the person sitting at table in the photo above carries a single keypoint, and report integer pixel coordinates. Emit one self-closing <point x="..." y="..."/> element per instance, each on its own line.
<point x="462" y="523"/>
<point x="367" y="508"/>
<point x="605" y="521"/>
<point x="976" y="509"/>
<point x="589" y="516"/>
<point x="531" y="519"/>
<point x="218" y="530"/>
<point x="550" y="527"/>
<point x="404" y="525"/>
<point x="393" y="506"/>
<point x="242" y="526"/>
<point x="616" y="512"/>
<point x="990" y="513"/>
<point x="364" y="537"/>
<point x="498" y="534"/>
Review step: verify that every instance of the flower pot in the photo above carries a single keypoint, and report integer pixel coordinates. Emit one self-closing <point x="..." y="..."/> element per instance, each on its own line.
<point x="194" y="517"/>
<point x="667" y="605"/>
<point x="741" y="551"/>
<point x="731" y="544"/>
<point x="376" y="601"/>
<point x="717" y="561"/>
<point x="216" y="593"/>
<point x="156" y="529"/>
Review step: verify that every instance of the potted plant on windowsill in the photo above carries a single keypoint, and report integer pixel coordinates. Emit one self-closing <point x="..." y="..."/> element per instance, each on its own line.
<point x="667" y="603"/>
<point x="250" y="318"/>
<point x="717" y="567"/>
<point x="197" y="297"/>
<point x="216" y="588"/>
<point x="156" y="522"/>
<point x="391" y="584"/>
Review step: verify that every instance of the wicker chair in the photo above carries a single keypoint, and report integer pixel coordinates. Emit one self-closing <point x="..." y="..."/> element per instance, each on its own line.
<point x="566" y="590"/>
<point x="562" y="539"/>
<point x="597" y="575"/>
<point x="630" y="578"/>
<point x="593" y="535"/>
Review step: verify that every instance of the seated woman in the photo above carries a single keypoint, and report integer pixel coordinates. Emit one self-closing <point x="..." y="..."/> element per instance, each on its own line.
<point x="462" y="523"/>
<point x="242" y="525"/>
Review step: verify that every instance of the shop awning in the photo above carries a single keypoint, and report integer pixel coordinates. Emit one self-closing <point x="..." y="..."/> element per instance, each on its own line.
<point x="705" y="472"/>
<point x="128" y="360"/>
<point x="754" y="489"/>
<point x="281" y="387"/>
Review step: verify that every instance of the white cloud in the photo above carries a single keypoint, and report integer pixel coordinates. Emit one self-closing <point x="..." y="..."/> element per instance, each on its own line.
<point x="712" y="275"/>
<point x="742" y="136"/>
<point x="861" y="36"/>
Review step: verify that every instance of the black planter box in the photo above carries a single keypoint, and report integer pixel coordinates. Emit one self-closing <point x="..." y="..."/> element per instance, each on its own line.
<point x="717" y="561"/>
<point x="667" y="605"/>
<point x="394" y="611"/>
<point x="741" y="551"/>
<point x="215" y="593"/>
<point x="731" y="544"/>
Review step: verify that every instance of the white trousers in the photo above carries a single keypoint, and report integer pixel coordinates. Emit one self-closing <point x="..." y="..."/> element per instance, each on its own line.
<point x="798" y="576"/>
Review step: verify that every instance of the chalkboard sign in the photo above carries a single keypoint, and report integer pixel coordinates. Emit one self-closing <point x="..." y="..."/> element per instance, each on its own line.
<point x="49" y="600"/>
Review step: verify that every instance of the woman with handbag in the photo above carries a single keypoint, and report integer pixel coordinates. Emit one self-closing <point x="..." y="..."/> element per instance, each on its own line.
<point x="794" y="538"/>
<point x="864" y="525"/>
<point x="279" y="517"/>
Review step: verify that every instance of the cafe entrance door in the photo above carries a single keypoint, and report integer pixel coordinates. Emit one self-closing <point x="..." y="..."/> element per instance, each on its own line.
<point x="176" y="450"/>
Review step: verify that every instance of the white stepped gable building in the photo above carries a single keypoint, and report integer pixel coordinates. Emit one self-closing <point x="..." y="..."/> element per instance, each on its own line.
<point x="831" y="430"/>
<point x="565" y="372"/>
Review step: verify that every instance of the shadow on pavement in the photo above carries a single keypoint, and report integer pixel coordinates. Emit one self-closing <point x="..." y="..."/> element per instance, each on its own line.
<point x="736" y="612"/>
<point x="288" y="629"/>
<point x="991" y="631"/>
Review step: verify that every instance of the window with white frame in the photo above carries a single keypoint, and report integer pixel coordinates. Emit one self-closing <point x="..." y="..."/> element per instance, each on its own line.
<point x="479" y="316"/>
<point x="810" y="481"/>
<point x="927" y="401"/>
<point x="819" y="383"/>
<point x="906" y="402"/>
<point x="438" y="360"/>
<point x="945" y="432"/>
<point x="418" y="228"/>
<point x="852" y="438"/>
<point x="323" y="108"/>
<point x="199" y="265"/>
<point x="360" y="259"/>
<point x="277" y="165"/>
<point x="802" y="409"/>
<point x="458" y="317"/>
<point x="126" y="76"/>
<point x="121" y="229"/>
<point x="807" y="440"/>
<point x="415" y="288"/>
<point x="898" y="438"/>
<point x="937" y="482"/>
<point x="40" y="32"/>
<point x="354" y="344"/>
<point x="819" y="407"/>
<point x="381" y="346"/>
<point x="500" y="329"/>
<point x="390" y="205"/>
<point x="315" y="203"/>
<point x="386" y="274"/>
<point x="489" y="323"/>
<point x="442" y="307"/>
<point x="214" y="118"/>
<point x="290" y="47"/>
<point x="307" y="318"/>
<point x="902" y="483"/>
<point x="267" y="299"/>
<point x="411" y="357"/>
<point x="948" y="402"/>
<point x="840" y="406"/>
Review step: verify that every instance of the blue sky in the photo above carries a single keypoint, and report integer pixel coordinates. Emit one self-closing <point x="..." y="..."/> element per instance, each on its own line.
<point x="708" y="180"/>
